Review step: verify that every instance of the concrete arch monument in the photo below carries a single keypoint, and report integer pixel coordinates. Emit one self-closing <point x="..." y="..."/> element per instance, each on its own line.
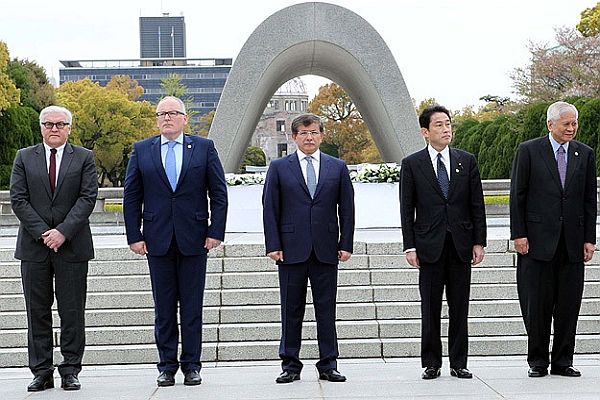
<point x="318" y="39"/>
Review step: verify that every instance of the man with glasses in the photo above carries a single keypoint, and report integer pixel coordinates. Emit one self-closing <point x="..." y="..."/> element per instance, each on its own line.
<point x="176" y="185"/>
<point x="308" y="216"/>
<point x="53" y="190"/>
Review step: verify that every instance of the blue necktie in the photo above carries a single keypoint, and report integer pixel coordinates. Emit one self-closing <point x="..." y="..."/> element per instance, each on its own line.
<point x="170" y="165"/>
<point x="442" y="176"/>
<point x="311" y="177"/>
<point x="562" y="165"/>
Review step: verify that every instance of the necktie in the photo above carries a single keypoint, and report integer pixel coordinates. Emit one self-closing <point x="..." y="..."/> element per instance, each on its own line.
<point x="562" y="165"/>
<point x="52" y="170"/>
<point x="311" y="177"/>
<point x="170" y="167"/>
<point x="442" y="176"/>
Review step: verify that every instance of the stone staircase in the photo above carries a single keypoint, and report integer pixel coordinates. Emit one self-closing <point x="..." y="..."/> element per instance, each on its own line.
<point x="378" y="307"/>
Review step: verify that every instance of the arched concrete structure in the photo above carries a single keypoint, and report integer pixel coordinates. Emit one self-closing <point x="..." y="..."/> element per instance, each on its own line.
<point x="318" y="39"/>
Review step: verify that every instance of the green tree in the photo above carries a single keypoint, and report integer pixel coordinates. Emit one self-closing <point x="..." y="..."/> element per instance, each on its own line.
<point x="253" y="156"/>
<point x="424" y="104"/>
<point x="130" y="87"/>
<point x="106" y="121"/>
<point x="20" y="127"/>
<point x="205" y="123"/>
<point x="345" y="129"/>
<point x="589" y="24"/>
<point x="172" y="86"/>
<point x="9" y="94"/>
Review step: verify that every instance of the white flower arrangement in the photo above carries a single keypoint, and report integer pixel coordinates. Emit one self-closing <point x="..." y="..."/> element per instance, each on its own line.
<point x="245" y="179"/>
<point x="377" y="173"/>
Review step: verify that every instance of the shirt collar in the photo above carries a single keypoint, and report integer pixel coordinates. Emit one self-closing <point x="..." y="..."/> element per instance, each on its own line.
<point x="59" y="149"/>
<point x="316" y="155"/>
<point x="433" y="153"/>
<point x="556" y="145"/>
<point x="178" y="139"/>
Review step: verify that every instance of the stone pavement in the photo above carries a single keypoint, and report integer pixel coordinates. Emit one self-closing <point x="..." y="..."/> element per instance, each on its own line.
<point x="494" y="378"/>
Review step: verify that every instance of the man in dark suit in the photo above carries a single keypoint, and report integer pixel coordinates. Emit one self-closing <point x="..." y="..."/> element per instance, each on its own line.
<point x="444" y="232"/>
<point x="169" y="180"/>
<point x="553" y="225"/>
<point x="53" y="190"/>
<point x="308" y="216"/>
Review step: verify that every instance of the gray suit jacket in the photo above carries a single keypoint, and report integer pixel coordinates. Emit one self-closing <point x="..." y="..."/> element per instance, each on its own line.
<point x="67" y="210"/>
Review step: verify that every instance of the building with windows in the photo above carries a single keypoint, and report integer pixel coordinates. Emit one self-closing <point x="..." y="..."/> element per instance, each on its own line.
<point x="162" y="37"/>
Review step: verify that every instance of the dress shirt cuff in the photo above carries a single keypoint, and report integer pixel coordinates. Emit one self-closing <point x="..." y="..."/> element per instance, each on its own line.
<point x="410" y="250"/>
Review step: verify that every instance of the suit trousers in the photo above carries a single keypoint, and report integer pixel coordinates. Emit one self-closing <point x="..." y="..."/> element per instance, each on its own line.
<point x="178" y="279"/>
<point x="70" y="281"/>
<point x="550" y="289"/>
<point x="453" y="273"/>
<point x="293" y="280"/>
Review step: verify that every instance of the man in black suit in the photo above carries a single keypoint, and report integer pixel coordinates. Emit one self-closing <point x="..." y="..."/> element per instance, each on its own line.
<point x="553" y="225"/>
<point x="444" y="232"/>
<point x="53" y="190"/>
<point x="308" y="217"/>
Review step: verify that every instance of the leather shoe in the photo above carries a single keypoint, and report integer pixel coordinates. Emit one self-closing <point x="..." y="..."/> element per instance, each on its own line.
<point x="287" y="377"/>
<point x="332" y="375"/>
<point x="565" y="371"/>
<point x="166" y="378"/>
<point x="192" y="378"/>
<point x="430" y="373"/>
<point x="41" y="382"/>
<point x="537" y="372"/>
<point x="70" y="382"/>
<point x="462" y="373"/>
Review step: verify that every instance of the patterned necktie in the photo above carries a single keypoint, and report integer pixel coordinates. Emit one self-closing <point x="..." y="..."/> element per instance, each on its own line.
<point x="442" y="176"/>
<point x="170" y="167"/>
<point x="562" y="165"/>
<point x="52" y="170"/>
<point x="311" y="177"/>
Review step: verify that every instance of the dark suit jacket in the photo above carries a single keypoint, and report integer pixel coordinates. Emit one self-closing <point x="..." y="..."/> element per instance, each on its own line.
<point x="67" y="210"/>
<point x="295" y="223"/>
<point x="426" y="215"/>
<point x="539" y="206"/>
<point x="185" y="212"/>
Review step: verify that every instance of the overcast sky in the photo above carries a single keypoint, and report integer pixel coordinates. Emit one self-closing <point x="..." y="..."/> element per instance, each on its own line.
<point x="455" y="51"/>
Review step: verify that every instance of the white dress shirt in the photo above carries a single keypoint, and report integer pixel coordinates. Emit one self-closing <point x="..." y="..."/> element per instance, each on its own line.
<point x="316" y="162"/>
<point x="59" y="153"/>
<point x="433" y="154"/>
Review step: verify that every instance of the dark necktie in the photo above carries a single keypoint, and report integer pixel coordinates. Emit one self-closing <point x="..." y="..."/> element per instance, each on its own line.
<point x="562" y="165"/>
<point x="442" y="176"/>
<point x="311" y="177"/>
<point x="52" y="170"/>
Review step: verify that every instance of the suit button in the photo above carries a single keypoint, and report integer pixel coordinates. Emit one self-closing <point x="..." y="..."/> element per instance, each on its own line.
<point x="561" y="218"/>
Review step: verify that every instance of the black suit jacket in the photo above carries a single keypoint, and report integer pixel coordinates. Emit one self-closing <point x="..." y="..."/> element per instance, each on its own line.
<point x="426" y="215"/>
<point x="539" y="206"/>
<point x="298" y="224"/>
<point x="67" y="210"/>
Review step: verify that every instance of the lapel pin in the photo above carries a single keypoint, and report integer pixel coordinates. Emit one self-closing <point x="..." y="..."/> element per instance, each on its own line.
<point x="457" y="170"/>
<point x="189" y="146"/>
<point x="576" y="153"/>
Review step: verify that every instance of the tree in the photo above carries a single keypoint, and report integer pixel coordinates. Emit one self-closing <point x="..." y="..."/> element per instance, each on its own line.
<point x="205" y="123"/>
<point x="130" y="87"/>
<point x="172" y="86"/>
<point x="106" y="121"/>
<point x="253" y="156"/>
<point x="424" y="104"/>
<point x="345" y="129"/>
<point x="20" y="129"/>
<point x="568" y="69"/>
<point x="589" y="24"/>
<point x="33" y="83"/>
<point x="9" y="94"/>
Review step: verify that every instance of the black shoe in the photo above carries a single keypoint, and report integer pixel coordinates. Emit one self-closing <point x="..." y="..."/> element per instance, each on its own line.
<point x="41" y="382"/>
<point x="192" y="378"/>
<point x="430" y="373"/>
<point x="565" y="371"/>
<point x="461" y="373"/>
<point x="166" y="378"/>
<point x="332" y="375"/>
<point x="70" y="382"/>
<point x="287" y="377"/>
<point x="537" y="372"/>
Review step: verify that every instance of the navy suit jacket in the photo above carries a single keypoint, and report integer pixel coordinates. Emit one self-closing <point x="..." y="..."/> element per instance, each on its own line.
<point x="426" y="215"/>
<point x="297" y="224"/>
<point x="184" y="213"/>
<point x="540" y="209"/>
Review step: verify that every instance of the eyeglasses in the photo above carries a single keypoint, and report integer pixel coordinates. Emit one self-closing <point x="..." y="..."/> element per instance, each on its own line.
<point x="311" y="133"/>
<point x="171" y="114"/>
<point x="50" y="125"/>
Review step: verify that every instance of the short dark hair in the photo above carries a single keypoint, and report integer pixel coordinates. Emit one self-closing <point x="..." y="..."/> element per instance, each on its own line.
<point x="306" y="120"/>
<point x="425" y="117"/>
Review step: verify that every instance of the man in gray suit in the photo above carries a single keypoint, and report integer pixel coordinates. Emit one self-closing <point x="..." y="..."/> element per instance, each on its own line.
<point x="53" y="189"/>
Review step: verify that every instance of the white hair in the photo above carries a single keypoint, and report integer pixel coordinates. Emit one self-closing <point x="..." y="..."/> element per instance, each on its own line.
<point x="56" y="109"/>
<point x="177" y="99"/>
<point x="557" y="109"/>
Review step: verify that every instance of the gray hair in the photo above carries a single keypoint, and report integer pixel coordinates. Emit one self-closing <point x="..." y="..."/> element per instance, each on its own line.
<point x="557" y="109"/>
<point x="177" y="99"/>
<point x="56" y="109"/>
